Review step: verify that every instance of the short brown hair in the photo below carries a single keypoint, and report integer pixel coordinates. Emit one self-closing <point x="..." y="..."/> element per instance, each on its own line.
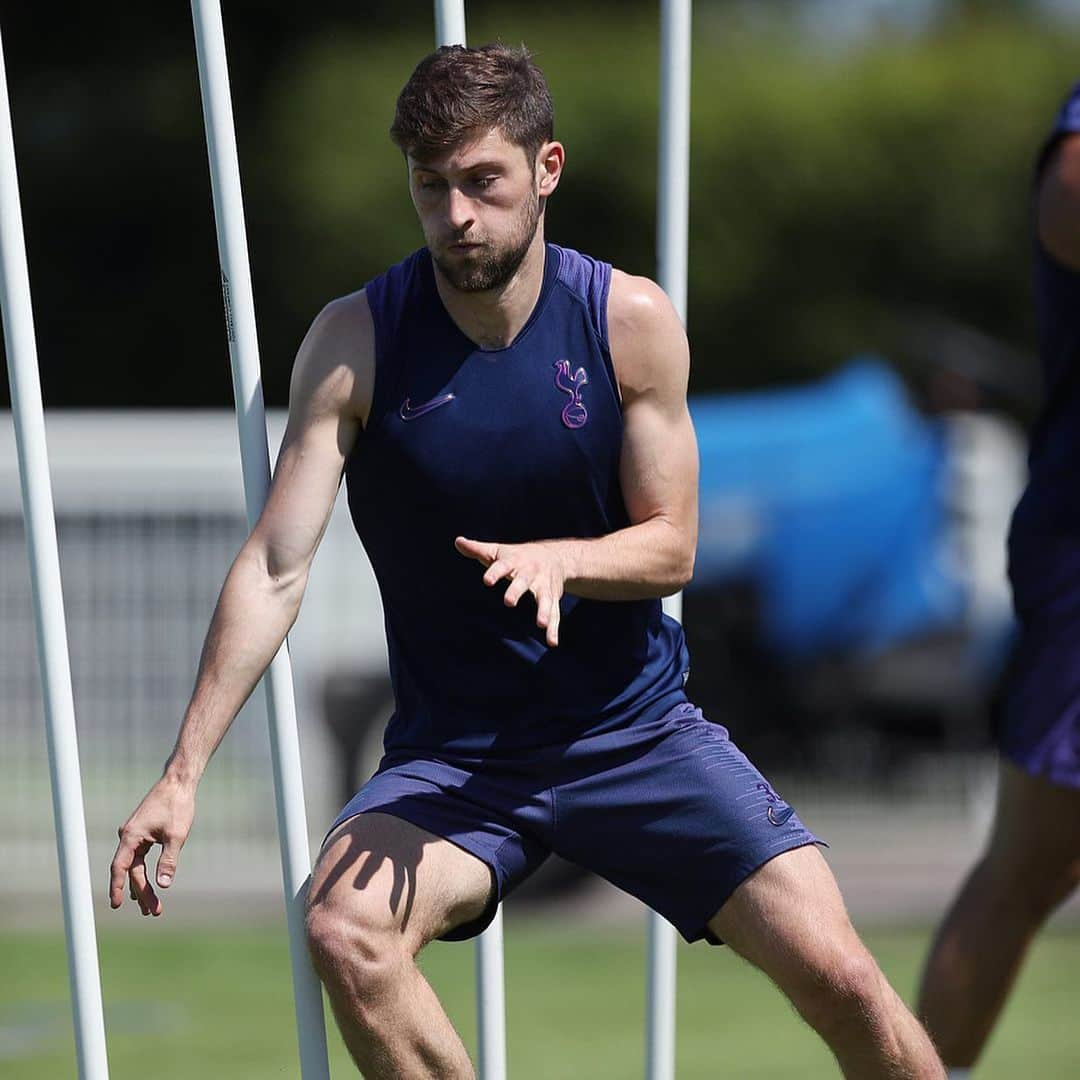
<point x="456" y="92"/>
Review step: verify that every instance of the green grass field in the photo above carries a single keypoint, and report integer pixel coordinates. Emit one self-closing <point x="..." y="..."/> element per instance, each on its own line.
<point x="215" y="1003"/>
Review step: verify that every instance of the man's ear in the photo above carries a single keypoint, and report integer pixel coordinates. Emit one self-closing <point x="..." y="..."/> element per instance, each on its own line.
<point x="549" y="166"/>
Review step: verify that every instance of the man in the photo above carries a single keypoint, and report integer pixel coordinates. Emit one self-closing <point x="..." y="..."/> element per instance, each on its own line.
<point x="499" y="401"/>
<point x="1032" y="861"/>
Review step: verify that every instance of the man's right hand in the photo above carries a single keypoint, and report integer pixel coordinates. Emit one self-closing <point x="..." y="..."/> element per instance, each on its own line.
<point x="164" y="817"/>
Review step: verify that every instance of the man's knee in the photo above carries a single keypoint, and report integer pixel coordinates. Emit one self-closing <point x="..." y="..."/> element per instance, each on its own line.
<point x="353" y="950"/>
<point x="844" y="993"/>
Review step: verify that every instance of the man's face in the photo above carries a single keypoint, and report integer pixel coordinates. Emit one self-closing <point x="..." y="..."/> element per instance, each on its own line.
<point x="479" y="206"/>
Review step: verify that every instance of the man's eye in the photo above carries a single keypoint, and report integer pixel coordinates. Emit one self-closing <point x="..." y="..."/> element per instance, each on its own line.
<point x="484" y="182"/>
<point x="429" y="185"/>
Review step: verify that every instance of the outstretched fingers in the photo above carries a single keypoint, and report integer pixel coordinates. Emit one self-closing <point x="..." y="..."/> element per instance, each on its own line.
<point x="531" y="569"/>
<point x="128" y="870"/>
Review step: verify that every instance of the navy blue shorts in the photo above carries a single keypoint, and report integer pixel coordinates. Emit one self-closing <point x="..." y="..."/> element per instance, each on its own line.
<point x="670" y="811"/>
<point x="1039" y="719"/>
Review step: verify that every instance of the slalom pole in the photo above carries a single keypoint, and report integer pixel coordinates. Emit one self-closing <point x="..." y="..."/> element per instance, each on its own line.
<point x="673" y="203"/>
<point x="491" y="1001"/>
<point x="70" y="820"/>
<point x="255" y="458"/>
<point x="449" y="22"/>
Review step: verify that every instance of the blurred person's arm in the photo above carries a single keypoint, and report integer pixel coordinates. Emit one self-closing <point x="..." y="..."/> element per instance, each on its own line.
<point x="1058" y="205"/>
<point x="328" y="400"/>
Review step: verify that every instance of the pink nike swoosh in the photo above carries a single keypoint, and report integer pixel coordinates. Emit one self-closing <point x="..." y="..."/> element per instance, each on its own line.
<point x="409" y="412"/>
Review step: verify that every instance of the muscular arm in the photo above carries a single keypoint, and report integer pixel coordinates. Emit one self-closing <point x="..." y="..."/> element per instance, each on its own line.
<point x="262" y="592"/>
<point x="659" y="462"/>
<point x="654" y="555"/>
<point x="1058" y="203"/>
<point x="329" y="396"/>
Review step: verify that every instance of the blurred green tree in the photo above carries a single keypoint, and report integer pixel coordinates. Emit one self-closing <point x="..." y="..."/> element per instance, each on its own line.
<point x="837" y="196"/>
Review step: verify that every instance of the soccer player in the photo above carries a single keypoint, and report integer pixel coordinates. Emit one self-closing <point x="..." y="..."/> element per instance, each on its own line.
<point x="1032" y="860"/>
<point x="511" y="421"/>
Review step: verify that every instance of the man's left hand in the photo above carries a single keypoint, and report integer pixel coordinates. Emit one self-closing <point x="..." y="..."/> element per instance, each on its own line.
<point x="536" y="568"/>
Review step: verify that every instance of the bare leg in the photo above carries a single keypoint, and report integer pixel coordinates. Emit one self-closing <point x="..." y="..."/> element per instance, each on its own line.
<point x="1031" y="865"/>
<point x="789" y="920"/>
<point x="381" y="890"/>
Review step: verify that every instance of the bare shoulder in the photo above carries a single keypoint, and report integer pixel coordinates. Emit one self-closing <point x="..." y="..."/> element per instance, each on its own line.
<point x="335" y="366"/>
<point x="1058" y="207"/>
<point x="648" y="343"/>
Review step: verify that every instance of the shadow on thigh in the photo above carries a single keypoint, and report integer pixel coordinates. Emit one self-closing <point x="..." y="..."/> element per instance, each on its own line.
<point x="382" y="874"/>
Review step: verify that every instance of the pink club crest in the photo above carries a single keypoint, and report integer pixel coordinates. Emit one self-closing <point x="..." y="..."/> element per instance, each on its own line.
<point x="574" y="413"/>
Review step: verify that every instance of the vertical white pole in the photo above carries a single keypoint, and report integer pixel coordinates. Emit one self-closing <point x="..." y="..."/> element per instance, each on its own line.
<point x="29" y="417"/>
<point x="449" y="22"/>
<point x="490" y="1001"/>
<point x="251" y="420"/>
<point x="490" y="979"/>
<point x="673" y="196"/>
<point x="673" y="203"/>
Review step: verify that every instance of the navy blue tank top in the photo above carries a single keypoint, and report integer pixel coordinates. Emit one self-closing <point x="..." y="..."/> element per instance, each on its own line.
<point x="1044" y="543"/>
<point x="513" y="444"/>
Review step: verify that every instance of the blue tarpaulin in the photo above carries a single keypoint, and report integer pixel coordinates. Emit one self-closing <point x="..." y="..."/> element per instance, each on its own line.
<point x="828" y="499"/>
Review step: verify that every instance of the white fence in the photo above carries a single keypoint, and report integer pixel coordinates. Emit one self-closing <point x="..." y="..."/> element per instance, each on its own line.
<point x="150" y="514"/>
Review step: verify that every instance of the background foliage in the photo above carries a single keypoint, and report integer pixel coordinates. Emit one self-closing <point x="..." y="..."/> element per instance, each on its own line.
<point x="840" y="194"/>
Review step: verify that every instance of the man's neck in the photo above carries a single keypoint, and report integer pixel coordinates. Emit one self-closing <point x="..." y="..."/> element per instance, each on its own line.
<point x="494" y="318"/>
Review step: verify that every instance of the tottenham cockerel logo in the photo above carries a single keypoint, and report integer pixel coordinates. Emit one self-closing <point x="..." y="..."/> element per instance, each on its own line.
<point x="574" y="413"/>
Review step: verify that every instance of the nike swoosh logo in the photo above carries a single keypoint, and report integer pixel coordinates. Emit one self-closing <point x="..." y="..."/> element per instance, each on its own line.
<point x="411" y="412"/>
<point x="780" y="817"/>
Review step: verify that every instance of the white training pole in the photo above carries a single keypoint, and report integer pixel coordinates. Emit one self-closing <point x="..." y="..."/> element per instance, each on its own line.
<point x="673" y="195"/>
<point x="449" y="22"/>
<point x="29" y="417"/>
<point x="490" y="1001"/>
<point x="490" y="981"/>
<point x="254" y="452"/>
<point x="673" y="214"/>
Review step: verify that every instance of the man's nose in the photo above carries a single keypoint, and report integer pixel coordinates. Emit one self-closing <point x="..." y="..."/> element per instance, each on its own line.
<point x="459" y="210"/>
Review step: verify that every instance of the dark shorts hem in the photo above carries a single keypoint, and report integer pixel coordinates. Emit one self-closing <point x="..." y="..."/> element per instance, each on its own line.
<point x="699" y="930"/>
<point x="1068" y="778"/>
<point x="1037" y="723"/>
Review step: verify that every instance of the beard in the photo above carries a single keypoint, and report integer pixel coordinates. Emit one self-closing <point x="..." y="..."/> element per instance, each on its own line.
<point x="487" y="267"/>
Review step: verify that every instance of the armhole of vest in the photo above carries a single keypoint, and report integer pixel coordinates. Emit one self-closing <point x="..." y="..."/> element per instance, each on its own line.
<point x="603" y="292"/>
<point x="376" y="291"/>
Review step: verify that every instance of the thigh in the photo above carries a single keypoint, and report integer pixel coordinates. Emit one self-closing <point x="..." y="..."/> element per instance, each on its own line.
<point x="675" y="814"/>
<point x="386" y="874"/>
<point x="429" y="847"/>
<point x="1036" y="833"/>
<point x="788" y="919"/>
